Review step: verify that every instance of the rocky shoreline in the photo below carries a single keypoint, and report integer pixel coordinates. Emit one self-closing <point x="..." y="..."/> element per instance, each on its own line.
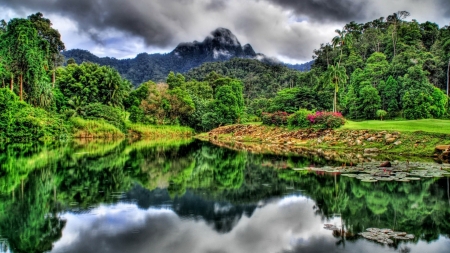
<point x="266" y="139"/>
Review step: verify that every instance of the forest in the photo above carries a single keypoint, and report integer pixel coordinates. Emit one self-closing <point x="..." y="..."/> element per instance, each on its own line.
<point x="388" y="68"/>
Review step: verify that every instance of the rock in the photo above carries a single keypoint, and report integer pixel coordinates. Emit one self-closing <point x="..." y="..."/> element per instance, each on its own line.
<point x="358" y="142"/>
<point x="371" y="150"/>
<point x="372" y="139"/>
<point x="386" y="164"/>
<point x="397" y="143"/>
<point x="387" y="136"/>
<point x="390" y="140"/>
<point x="442" y="147"/>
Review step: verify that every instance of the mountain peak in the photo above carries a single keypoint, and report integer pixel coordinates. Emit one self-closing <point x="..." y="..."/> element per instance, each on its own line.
<point x="225" y="36"/>
<point x="220" y="45"/>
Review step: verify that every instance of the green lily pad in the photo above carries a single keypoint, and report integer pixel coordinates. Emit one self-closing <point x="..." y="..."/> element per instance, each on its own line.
<point x="369" y="180"/>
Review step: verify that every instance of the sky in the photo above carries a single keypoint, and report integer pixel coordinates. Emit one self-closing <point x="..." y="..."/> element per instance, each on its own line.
<point x="286" y="29"/>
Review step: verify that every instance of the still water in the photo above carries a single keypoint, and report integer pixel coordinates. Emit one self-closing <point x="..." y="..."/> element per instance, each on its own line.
<point x="190" y="196"/>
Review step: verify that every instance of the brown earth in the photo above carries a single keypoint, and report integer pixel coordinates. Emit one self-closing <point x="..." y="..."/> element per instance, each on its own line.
<point x="279" y="140"/>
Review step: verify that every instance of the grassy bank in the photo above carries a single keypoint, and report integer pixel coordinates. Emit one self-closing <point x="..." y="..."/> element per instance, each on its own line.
<point x="99" y="128"/>
<point x="424" y="125"/>
<point x="82" y="128"/>
<point x="154" y="131"/>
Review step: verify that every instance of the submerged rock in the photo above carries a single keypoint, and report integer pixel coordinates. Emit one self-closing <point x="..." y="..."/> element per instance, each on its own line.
<point x="384" y="235"/>
<point x="386" y="164"/>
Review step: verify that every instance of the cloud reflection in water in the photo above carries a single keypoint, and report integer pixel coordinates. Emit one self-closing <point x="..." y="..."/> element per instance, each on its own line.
<point x="283" y="225"/>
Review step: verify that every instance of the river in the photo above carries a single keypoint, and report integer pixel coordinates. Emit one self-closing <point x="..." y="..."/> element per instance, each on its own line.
<point x="192" y="196"/>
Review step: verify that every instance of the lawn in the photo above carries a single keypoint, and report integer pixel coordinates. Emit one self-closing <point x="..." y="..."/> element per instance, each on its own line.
<point x="426" y="125"/>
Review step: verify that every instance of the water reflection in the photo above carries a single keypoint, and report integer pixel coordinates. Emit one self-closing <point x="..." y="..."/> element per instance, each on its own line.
<point x="185" y="196"/>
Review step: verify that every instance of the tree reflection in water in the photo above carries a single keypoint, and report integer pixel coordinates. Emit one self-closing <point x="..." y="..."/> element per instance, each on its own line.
<point x="39" y="182"/>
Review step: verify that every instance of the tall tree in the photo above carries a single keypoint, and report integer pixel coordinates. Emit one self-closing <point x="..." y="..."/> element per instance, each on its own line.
<point x="395" y="20"/>
<point x="430" y="33"/>
<point x="25" y="52"/>
<point x="343" y="38"/>
<point x="336" y="76"/>
<point x="53" y="37"/>
<point x="390" y="96"/>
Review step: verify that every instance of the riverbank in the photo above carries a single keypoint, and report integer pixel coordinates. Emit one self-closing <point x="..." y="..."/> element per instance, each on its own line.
<point x="79" y="128"/>
<point x="403" y="143"/>
<point x="94" y="129"/>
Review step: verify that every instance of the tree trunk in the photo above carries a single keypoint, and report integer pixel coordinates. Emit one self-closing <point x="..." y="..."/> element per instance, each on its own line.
<point x="448" y="77"/>
<point x="393" y="43"/>
<point x="335" y="102"/>
<point x="53" y="78"/>
<point x="12" y="82"/>
<point x="21" y="87"/>
<point x="3" y="81"/>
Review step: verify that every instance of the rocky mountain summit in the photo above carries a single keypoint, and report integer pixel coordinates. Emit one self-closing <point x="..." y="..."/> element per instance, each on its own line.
<point x="220" y="45"/>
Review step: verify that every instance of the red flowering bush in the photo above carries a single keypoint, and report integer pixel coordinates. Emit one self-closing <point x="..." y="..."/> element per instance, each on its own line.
<point x="326" y="120"/>
<point x="276" y="118"/>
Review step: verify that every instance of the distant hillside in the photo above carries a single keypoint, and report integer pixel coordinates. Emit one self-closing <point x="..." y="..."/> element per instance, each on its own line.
<point x="221" y="45"/>
<point x="301" y="67"/>
<point x="260" y="79"/>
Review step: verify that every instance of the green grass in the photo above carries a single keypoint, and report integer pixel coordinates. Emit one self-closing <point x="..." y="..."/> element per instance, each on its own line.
<point x="156" y="131"/>
<point x="94" y="129"/>
<point x="425" y="125"/>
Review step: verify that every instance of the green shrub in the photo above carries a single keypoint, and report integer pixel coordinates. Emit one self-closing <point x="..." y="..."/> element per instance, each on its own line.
<point x="110" y="114"/>
<point x="21" y="122"/>
<point x="381" y="114"/>
<point x="247" y="118"/>
<point x="137" y="115"/>
<point x="276" y="118"/>
<point x="299" y="119"/>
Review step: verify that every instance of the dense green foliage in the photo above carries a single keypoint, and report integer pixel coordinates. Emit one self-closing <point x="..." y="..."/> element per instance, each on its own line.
<point x="91" y="83"/>
<point x="299" y="119"/>
<point x="20" y="121"/>
<point x="386" y="65"/>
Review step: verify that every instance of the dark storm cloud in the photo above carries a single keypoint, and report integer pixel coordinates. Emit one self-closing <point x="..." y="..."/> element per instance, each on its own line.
<point x="133" y="17"/>
<point x="445" y="4"/>
<point x="287" y="29"/>
<point x="216" y="5"/>
<point x="326" y="10"/>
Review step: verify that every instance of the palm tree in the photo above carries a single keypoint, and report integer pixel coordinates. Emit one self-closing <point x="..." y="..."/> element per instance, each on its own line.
<point x="77" y="104"/>
<point x="343" y="38"/>
<point x="336" y="76"/>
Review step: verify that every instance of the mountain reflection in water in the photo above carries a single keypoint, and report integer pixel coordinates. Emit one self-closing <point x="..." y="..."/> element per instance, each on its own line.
<point x="184" y="196"/>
